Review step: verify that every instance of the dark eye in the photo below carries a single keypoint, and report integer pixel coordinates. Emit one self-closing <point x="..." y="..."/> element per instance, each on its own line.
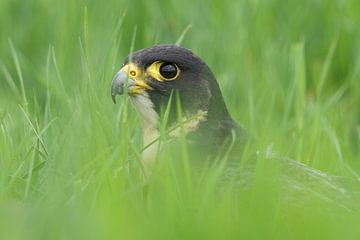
<point x="168" y="70"/>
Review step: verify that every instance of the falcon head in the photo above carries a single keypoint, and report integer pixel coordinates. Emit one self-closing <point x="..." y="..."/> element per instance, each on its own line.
<point x="164" y="74"/>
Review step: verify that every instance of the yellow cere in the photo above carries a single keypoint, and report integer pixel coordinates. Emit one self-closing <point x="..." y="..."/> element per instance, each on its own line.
<point x="135" y="73"/>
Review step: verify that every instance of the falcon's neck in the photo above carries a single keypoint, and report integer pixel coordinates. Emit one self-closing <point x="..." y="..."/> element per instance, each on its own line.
<point x="148" y="116"/>
<point x="210" y="121"/>
<point x="150" y="120"/>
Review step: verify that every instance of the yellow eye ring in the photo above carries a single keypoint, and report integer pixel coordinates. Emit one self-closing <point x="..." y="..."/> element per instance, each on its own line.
<point x="163" y="71"/>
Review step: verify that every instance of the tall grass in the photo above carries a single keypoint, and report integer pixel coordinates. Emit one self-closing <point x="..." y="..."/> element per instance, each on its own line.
<point x="69" y="158"/>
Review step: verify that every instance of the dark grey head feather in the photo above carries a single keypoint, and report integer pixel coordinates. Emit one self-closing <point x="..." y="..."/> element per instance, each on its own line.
<point x="195" y="86"/>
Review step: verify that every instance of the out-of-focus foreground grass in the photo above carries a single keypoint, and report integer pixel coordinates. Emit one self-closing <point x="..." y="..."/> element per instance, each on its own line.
<point x="290" y="74"/>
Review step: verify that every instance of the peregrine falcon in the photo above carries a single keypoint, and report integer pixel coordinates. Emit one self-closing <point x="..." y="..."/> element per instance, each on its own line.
<point x="172" y="77"/>
<point x="163" y="79"/>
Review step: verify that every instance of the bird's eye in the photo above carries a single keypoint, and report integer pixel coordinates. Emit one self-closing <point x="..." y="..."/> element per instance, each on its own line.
<point x="168" y="71"/>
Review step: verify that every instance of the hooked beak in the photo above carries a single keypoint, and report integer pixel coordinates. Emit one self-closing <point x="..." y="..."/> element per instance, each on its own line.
<point x="120" y="81"/>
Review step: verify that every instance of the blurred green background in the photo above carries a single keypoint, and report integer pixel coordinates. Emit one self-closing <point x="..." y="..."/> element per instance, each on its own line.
<point x="289" y="72"/>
